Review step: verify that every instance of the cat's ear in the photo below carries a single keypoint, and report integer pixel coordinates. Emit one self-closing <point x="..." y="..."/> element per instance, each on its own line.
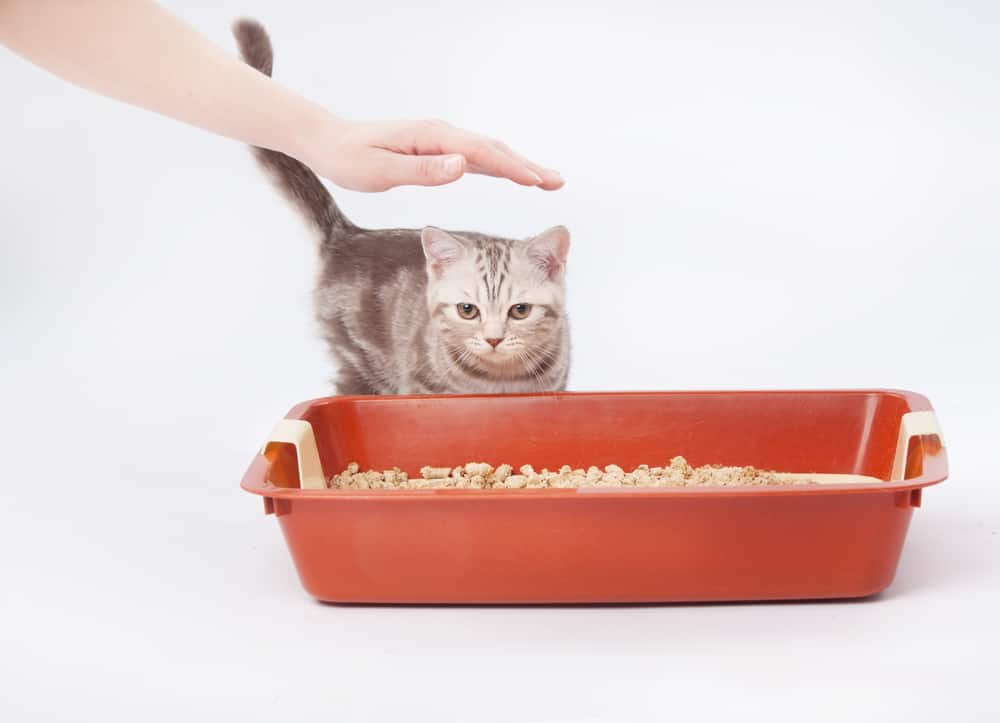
<point x="549" y="250"/>
<point x="440" y="248"/>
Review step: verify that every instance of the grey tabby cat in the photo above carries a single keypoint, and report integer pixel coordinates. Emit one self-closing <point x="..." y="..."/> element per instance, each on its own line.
<point x="431" y="311"/>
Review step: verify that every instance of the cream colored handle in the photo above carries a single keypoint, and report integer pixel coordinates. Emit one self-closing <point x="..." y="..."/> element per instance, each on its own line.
<point x="299" y="434"/>
<point x="913" y="424"/>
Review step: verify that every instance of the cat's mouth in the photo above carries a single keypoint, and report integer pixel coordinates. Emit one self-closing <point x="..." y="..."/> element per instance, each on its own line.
<point x="501" y="355"/>
<point x="494" y="356"/>
<point x="505" y="361"/>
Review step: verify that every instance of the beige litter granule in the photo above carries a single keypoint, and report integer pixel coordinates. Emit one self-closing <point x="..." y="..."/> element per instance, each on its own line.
<point x="480" y="475"/>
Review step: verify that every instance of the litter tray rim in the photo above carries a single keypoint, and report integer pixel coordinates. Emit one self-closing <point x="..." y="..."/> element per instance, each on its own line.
<point x="935" y="470"/>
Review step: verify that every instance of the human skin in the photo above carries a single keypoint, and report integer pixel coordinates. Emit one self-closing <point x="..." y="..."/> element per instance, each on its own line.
<point x="137" y="52"/>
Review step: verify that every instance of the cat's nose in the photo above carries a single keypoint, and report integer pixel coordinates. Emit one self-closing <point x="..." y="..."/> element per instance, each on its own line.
<point x="493" y="342"/>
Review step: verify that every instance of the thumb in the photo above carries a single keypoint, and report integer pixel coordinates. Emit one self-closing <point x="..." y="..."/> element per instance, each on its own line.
<point x="405" y="170"/>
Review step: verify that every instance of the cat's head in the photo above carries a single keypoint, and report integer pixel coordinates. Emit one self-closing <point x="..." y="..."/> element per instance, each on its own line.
<point x="499" y="305"/>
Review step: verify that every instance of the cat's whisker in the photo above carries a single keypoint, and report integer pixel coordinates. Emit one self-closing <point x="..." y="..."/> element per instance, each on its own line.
<point x="531" y="367"/>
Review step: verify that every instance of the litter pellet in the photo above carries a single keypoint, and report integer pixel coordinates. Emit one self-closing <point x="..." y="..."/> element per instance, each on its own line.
<point x="435" y="472"/>
<point x="515" y="481"/>
<point x="480" y="468"/>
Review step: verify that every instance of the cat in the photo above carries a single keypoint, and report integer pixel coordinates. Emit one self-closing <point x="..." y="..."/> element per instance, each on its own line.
<point x="427" y="311"/>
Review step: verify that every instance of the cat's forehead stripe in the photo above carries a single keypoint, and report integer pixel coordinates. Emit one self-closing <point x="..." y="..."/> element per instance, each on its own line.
<point x="491" y="256"/>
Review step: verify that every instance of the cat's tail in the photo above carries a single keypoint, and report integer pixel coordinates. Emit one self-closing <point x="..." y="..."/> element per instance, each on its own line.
<point x="294" y="179"/>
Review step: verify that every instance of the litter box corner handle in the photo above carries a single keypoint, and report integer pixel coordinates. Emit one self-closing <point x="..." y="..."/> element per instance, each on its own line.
<point x="299" y="434"/>
<point x="913" y="424"/>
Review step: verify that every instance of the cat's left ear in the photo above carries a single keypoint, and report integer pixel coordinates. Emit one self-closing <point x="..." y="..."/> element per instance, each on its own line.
<point x="549" y="250"/>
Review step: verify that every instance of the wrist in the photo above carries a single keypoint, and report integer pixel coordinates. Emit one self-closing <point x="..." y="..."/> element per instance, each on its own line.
<point x="313" y="128"/>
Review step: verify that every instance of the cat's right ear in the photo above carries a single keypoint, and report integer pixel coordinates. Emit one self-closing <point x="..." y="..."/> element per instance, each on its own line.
<point x="441" y="248"/>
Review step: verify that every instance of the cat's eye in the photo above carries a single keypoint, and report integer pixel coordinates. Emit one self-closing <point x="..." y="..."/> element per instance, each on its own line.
<point x="468" y="311"/>
<point x="519" y="311"/>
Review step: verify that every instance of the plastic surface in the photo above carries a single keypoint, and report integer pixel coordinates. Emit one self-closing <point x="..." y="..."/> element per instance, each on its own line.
<point x="604" y="545"/>
<point x="299" y="434"/>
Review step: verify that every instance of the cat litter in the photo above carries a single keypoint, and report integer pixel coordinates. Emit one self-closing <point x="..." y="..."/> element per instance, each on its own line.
<point x="480" y="475"/>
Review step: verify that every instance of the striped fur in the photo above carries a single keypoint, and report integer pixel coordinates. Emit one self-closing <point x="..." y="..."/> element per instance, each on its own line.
<point x="388" y="307"/>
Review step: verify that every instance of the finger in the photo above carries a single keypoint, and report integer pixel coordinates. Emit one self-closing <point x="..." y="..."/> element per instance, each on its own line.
<point x="483" y="155"/>
<point x="403" y="170"/>
<point x="486" y="158"/>
<point x="551" y="180"/>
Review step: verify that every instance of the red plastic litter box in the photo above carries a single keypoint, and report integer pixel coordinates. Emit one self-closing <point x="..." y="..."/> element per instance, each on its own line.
<point x="872" y="450"/>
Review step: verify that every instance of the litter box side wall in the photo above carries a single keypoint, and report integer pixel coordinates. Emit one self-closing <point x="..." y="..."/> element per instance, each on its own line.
<point x="586" y="549"/>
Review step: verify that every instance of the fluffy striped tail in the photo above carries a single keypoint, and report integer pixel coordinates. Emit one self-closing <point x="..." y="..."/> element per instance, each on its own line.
<point x="294" y="179"/>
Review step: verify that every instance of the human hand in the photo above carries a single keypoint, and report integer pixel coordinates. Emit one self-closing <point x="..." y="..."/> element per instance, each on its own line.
<point x="378" y="155"/>
<point x="138" y="52"/>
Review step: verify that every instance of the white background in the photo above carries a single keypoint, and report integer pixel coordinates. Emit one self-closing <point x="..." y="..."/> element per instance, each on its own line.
<point x="760" y="198"/>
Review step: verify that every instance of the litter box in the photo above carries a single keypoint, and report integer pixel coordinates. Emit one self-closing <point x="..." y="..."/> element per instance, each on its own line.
<point x="872" y="453"/>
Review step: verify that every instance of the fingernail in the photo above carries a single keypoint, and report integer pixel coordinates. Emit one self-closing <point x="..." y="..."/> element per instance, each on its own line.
<point x="538" y="179"/>
<point x="453" y="165"/>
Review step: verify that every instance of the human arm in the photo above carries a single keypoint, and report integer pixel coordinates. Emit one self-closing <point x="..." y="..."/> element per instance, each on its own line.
<point x="137" y="52"/>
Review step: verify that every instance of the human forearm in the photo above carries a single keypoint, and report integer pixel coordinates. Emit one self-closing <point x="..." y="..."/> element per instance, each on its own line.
<point x="137" y="52"/>
<point x="156" y="61"/>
